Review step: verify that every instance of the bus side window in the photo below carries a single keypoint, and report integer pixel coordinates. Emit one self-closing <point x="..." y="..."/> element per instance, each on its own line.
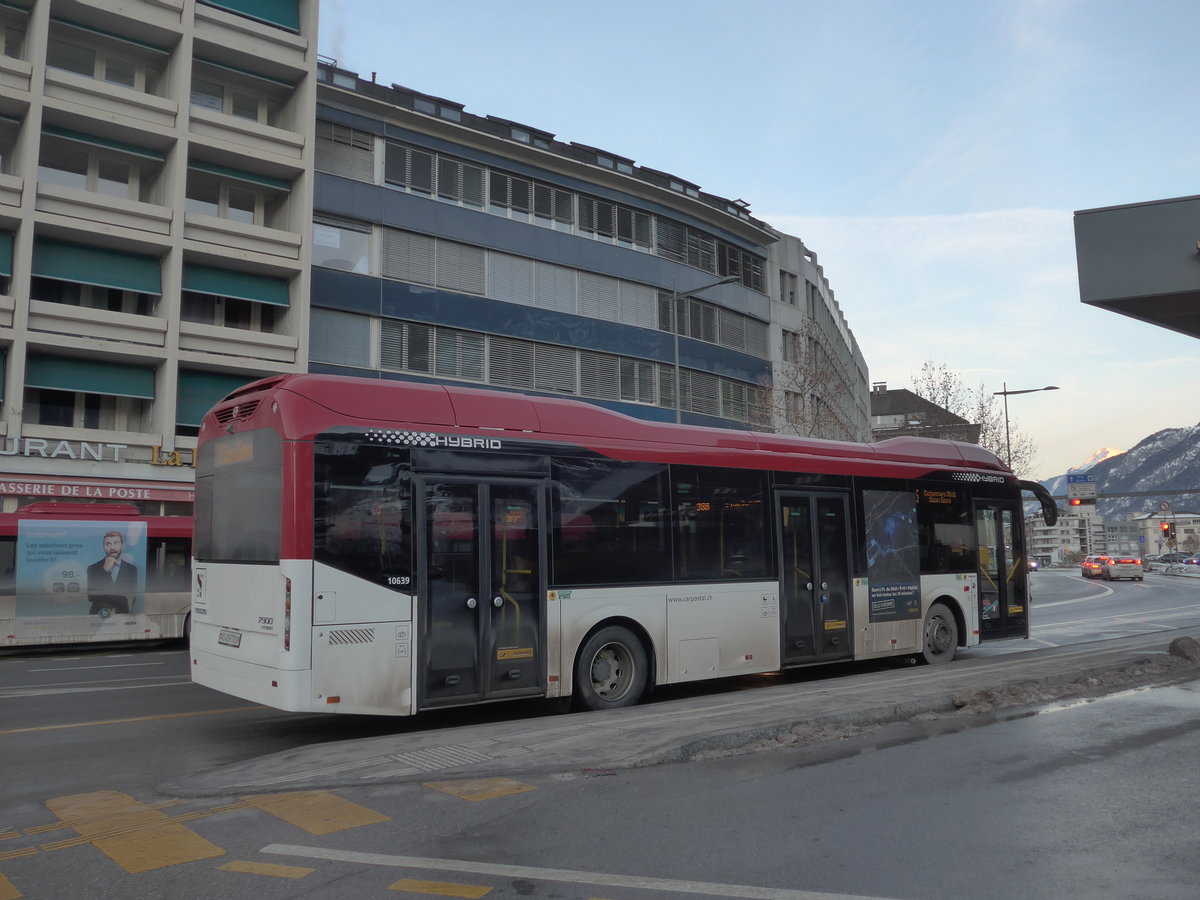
<point x="8" y="565"/>
<point x="720" y="524"/>
<point x="169" y="565"/>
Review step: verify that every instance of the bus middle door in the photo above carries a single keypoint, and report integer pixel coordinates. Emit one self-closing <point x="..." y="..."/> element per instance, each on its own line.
<point x="1003" y="575"/>
<point x="815" y="589"/>
<point x="482" y="591"/>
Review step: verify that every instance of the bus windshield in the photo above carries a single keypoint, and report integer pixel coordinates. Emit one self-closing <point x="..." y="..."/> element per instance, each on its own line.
<point x="237" y="498"/>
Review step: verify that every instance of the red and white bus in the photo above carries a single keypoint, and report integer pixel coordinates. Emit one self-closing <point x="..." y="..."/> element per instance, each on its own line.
<point x="75" y="573"/>
<point x="388" y="547"/>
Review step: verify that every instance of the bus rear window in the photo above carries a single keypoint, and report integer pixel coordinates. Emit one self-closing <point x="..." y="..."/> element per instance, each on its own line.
<point x="239" y="478"/>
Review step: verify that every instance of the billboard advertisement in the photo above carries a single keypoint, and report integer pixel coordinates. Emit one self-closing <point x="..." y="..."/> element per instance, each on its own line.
<point x="80" y="568"/>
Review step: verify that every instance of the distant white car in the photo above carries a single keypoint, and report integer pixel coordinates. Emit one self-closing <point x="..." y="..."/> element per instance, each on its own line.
<point x="1118" y="567"/>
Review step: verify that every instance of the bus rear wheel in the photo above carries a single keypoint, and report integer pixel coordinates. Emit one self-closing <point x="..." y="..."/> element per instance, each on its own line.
<point x="940" y="635"/>
<point x="611" y="669"/>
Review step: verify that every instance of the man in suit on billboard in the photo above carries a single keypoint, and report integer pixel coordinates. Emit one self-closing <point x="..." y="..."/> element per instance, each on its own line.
<point x="113" y="581"/>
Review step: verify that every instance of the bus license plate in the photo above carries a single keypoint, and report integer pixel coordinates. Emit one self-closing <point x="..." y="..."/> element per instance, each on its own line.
<point x="230" y="638"/>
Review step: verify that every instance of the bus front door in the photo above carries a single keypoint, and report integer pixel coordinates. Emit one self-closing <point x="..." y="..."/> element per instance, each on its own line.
<point x="482" y="590"/>
<point x="1003" y="579"/>
<point x="815" y="587"/>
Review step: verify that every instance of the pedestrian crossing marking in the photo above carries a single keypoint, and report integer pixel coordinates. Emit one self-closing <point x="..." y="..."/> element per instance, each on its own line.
<point x="439" y="888"/>
<point x="135" y="836"/>
<point x="477" y="789"/>
<point x="273" y="869"/>
<point x="7" y="890"/>
<point x="317" y="812"/>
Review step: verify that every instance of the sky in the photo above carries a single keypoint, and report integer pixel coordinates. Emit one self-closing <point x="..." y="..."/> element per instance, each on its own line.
<point x="930" y="152"/>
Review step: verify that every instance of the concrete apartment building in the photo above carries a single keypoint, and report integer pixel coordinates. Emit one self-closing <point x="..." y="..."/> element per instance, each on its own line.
<point x="155" y="213"/>
<point x="190" y="200"/>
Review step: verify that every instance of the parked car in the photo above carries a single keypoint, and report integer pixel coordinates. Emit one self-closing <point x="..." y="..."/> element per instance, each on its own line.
<point x="1117" y="567"/>
<point x="1092" y="566"/>
<point x="1176" y="557"/>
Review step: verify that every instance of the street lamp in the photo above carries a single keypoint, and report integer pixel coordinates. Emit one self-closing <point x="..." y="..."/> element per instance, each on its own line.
<point x="1005" y="394"/>
<point x="675" y="297"/>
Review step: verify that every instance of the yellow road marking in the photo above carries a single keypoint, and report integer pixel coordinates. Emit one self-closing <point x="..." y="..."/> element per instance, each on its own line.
<point x="135" y="836"/>
<point x="273" y="869"/>
<point x="7" y="890"/>
<point x="439" y="888"/>
<point x="183" y="715"/>
<point x="477" y="789"/>
<point x="317" y="812"/>
<point x="18" y="854"/>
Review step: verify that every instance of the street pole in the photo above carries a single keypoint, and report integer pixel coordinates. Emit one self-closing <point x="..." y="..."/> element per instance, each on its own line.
<point x="676" y="296"/>
<point x="1005" y="394"/>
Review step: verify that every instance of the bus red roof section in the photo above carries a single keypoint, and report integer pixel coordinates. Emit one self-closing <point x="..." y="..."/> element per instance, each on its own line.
<point x="68" y="511"/>
<point x="311" y="404"/>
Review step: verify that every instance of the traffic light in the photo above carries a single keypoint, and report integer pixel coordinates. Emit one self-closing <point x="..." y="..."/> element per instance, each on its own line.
<point x="1166" y="526"/>
<point x="1168" y="530"/>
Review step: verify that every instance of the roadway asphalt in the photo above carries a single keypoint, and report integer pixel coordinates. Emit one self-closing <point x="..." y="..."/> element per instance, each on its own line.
<point x="795" y="714"/>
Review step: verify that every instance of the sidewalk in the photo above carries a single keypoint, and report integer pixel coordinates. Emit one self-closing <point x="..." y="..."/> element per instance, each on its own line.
<point x="682" y="729"/>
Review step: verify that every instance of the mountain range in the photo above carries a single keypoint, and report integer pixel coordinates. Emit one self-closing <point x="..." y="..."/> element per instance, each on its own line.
<point x="1166" y="464"/>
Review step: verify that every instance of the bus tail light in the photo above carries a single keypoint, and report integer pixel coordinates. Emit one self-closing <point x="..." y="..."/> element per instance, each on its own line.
<point x="287" y="614"/>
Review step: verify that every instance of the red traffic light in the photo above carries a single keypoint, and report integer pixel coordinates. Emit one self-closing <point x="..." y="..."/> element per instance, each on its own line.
<point x="1075" y="501"/>
<point x="1166" y="526"/>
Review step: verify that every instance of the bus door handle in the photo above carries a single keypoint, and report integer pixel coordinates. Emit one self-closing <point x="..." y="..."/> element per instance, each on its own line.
<point x="472" y="603"/>
<point x="810" y="586"/>
<point x="497" y="602"/>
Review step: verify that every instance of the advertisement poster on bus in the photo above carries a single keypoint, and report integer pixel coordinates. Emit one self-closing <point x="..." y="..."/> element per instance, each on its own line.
<point x="893" y="555"/>
<point x="95" y="569"/>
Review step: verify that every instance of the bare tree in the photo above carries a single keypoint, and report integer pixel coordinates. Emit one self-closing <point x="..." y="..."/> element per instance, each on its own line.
<point x="939" y="385"/>
<point x="810" y="393"/>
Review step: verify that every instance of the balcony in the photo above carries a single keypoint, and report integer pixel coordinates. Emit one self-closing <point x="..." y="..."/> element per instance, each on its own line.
<point x="245" y="136"/>
<point x="238" y="237"/>
<point x="284" y="52"/>
<point x="241" y="343"/>
<point x="15" y="76"/>
<point x="102" y="208"/>
<point x="96" y="324"/>
<point x="101" y="101"/>
<point x="209" y="340"/>
<point x="10" y="190"/>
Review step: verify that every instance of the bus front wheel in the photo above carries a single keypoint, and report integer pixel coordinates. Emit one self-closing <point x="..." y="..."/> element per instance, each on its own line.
<point x="940" y="635"/>
<point x="611" y="669"/>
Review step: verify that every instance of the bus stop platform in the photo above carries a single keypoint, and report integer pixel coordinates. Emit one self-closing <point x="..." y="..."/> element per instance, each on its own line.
<point x="984" y="684"/>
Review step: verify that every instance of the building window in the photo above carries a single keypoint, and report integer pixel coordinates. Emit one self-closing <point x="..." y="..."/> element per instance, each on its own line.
<point x="340" y="338"/>
<point x="235" y="196"/>
<point x="242" y="96"/>
<point x="460" y="182"/>
<point x="553" y="208"/>
<point x="409" y="168"/>
<point x="9" y="128"/>
<point x="342" y="245"/>
<point x="230" y="312"/>
<point x="95" y="55"/>
<point x="90" y="296"/>
<point x="100" y="167"/>
<point x="511" y="196"/>
<point x="346" y="151"/>
<point x="76" y="409"/>
<point x="13" y="25"/>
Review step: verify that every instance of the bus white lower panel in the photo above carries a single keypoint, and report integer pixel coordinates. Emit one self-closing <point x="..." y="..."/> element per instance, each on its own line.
<point x="696" y="631"/>
<point x="282" y="689"/>
<point x="364" y="668"/>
